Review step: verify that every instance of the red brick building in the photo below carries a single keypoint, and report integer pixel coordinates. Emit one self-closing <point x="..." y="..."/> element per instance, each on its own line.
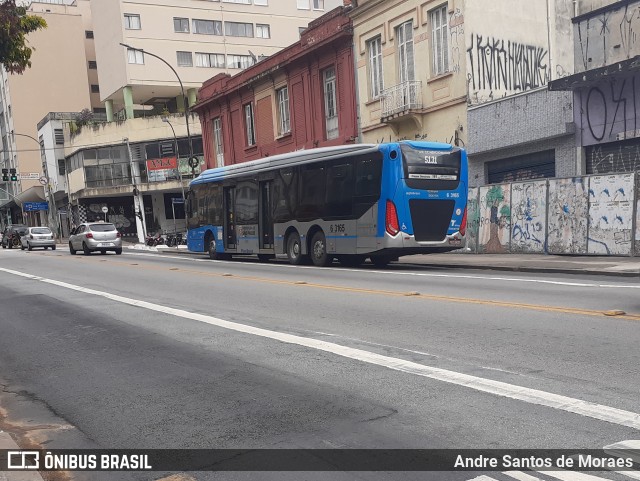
<point x="302" y="97"/>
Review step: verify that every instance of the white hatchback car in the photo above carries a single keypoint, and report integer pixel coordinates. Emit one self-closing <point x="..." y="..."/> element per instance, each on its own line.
<point x="95" y="236"/>
<point x="38" y="237"/>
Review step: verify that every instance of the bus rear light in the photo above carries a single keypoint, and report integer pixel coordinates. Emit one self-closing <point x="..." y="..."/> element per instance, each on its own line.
<point x="391" y="220"/>
<point x="463" y="224"/>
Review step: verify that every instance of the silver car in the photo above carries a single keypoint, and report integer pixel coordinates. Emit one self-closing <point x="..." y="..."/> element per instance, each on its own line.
<point x="95" y="236"/>
<point x="37" y="237"/>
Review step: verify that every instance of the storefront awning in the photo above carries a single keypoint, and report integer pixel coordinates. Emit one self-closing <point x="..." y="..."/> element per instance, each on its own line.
<point x="32" y="194"/>
<point x="589" y="77"/>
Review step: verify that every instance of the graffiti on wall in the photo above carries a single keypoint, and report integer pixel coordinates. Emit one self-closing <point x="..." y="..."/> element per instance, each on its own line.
<point x="624" y="158"/>
<point x="607" y="38"/>
<point x="567" y="216"/>
<point x="637" y="232"/>
<point x="498" y="67"/>
<point x="609" y="110"/>
<point x="528" y="217"/>
<point x="495" y="219"/>
<point x="473" y="219"/>
<point x="610" y="214"/>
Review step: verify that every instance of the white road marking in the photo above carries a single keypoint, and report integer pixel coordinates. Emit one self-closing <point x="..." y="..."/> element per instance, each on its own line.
<point x="498" y="388"/>
<point x="520" y="476"/>
<point x="572" y="476"/>
<point x="482" y="477"/>
<point x="416" y="274"/>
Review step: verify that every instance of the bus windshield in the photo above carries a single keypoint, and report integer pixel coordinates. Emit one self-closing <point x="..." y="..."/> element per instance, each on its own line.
<point x="431" y="169"/>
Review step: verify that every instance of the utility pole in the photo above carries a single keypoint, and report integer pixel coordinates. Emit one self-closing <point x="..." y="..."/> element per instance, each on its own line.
<point x="53" y="211"/>
<point x="138" y="199"/>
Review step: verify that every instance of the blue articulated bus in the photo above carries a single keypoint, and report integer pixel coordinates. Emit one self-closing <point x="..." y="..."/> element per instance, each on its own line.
<point x="353" y="202"/>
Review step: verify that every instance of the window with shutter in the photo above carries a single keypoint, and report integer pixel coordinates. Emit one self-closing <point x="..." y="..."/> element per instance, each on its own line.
<point x="439" y="40"/>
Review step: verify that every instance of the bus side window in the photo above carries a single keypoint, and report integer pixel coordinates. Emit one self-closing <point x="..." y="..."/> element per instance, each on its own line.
<point x="339" y="196"/>
<point x="367" y="178"/>
<point x="313" y="179"/>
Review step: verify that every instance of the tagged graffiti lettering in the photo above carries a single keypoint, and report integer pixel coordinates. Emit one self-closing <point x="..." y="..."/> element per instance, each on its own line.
<point x="503" y="65"/>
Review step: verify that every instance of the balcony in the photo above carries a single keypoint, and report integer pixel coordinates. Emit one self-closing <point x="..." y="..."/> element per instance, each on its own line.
<point x="401" y="100"/>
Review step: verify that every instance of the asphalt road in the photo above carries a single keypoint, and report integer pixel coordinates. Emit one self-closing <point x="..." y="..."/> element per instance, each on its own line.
<point x="153" y="351"/>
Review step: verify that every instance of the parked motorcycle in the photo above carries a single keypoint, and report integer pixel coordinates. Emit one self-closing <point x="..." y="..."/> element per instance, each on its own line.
<point x="155" y="240"/>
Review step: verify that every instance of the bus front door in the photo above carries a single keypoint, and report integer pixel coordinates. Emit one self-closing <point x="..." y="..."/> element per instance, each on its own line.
<point x="229" y="218"/>
<point x="266" y="219"/>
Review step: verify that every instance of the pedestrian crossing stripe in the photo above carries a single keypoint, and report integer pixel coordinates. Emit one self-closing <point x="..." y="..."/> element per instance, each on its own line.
<point x="622" y="449"/>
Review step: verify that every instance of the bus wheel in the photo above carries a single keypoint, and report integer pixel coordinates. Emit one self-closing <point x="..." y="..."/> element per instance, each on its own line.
<point x="294" y="249"/>
<point x="319" y="254"/>
<point x="212" y="251"/>
<point x="351" y="261"/>
<point x="381" y="261"/>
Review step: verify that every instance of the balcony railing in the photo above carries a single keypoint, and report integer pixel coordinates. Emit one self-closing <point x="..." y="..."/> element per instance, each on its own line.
<point x="401" y="98"/>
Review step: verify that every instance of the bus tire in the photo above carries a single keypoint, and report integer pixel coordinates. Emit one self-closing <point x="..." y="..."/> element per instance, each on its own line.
<point x="211" y="249"/>
<point x="294" y="249"/>
<point x="318" y="250"/>
<point x="381" y="261"/>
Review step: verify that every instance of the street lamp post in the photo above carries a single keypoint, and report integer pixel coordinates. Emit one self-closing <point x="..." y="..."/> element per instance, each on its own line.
<point x="186" y="101"/>
<point x="53" y="210"/>
<point x="165" y="119"/>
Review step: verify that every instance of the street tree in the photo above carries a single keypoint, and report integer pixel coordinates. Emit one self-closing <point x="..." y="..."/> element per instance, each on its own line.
<point x="15" y="24"/>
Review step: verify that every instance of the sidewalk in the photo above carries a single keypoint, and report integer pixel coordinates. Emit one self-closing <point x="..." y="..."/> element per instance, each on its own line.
<point x="7" y="442"/>
<point x="541" y="263"/>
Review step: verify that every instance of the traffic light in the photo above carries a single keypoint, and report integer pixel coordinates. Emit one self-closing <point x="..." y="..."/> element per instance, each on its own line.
<point x="5" y="175"/>
<point x="14" y="175"/>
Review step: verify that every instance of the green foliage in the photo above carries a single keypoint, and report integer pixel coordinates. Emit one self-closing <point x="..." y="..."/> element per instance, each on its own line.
<point x="494" y="196"/>
<point x="15" y="24"/>
<point x="505" y="212"/>
<point x="84" y="117"/>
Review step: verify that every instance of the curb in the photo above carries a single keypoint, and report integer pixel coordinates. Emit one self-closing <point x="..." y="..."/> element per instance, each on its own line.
<point x="7" y="442"/>
<point x="539" y="270"/>
<point x="487" y="267"/>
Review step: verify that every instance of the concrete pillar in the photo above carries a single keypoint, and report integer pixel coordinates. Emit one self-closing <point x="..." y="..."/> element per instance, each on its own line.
<point x="180" y="103"/>
<point x="581" y="162"/>
<point x="192" y="94"/>
<point x="108" y="105"/>
<point x="127" y="93"/>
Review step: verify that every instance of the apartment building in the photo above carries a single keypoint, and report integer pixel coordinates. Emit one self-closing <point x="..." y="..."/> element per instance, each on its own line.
<point x="59" y="80"/>
<point x="411" y="74"/>
<point x="198" y="38"/>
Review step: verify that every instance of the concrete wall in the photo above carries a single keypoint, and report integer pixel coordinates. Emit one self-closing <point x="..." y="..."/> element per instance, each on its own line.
<point x="608" y="37"/>
<point x="522" y="124"/>
<point x="136" y="130"/>
<point x="507" y="48"/>
<point x="607" y="110"/>
<point x="580" y="215"/>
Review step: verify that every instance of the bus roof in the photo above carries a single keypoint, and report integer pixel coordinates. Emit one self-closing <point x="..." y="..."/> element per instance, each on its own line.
<point x="299" y="157"/>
